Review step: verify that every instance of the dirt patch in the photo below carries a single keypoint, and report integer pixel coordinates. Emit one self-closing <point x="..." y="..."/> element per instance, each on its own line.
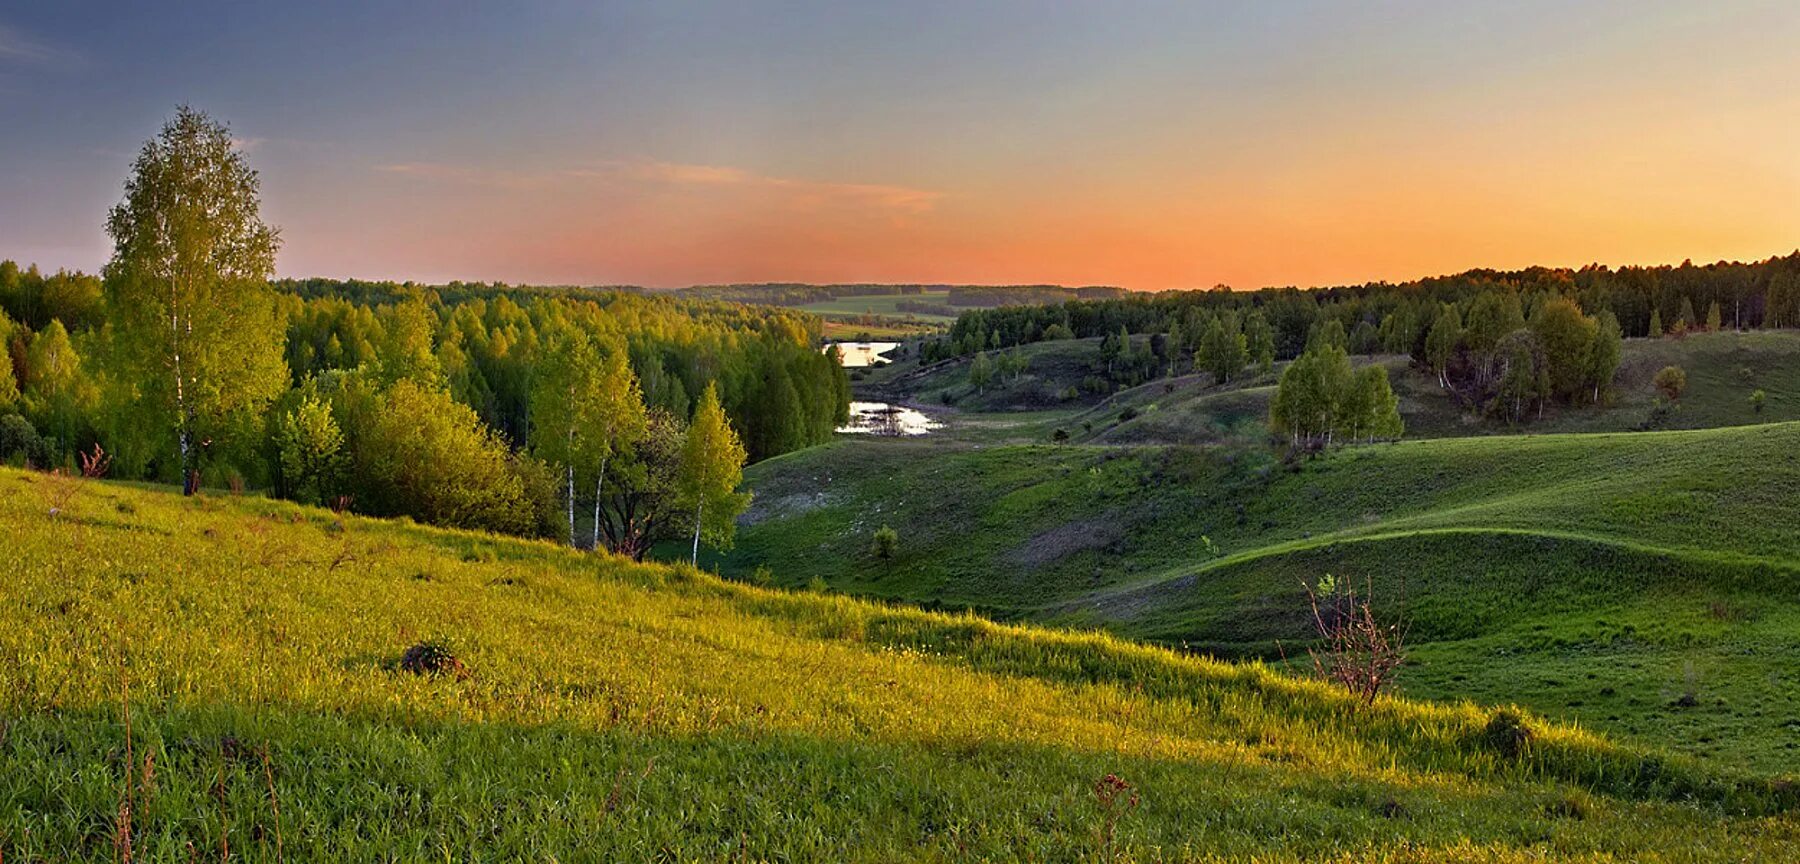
<point x="1081" y="535"/>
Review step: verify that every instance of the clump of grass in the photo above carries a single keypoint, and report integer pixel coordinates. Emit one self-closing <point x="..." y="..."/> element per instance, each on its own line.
<point x="1507" y="734"/>
<point x="434" y="657"/>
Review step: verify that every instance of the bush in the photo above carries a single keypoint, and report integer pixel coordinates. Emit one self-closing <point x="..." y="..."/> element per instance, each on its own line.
<point x="1757" y="399"/>
<point x="1060" y="436"/>
<point x="1670" y="381"/>
<point x="17" y="437"/>
<point x="887" y="542"/>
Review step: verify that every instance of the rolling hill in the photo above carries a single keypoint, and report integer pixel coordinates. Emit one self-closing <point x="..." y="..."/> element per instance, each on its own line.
<point x="1641" y="583"/>
<point x="187" y="677"/>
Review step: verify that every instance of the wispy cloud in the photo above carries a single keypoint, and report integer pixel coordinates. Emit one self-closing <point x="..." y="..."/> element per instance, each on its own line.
<point x="20" y="49"/>
<point x="793" y="192"/>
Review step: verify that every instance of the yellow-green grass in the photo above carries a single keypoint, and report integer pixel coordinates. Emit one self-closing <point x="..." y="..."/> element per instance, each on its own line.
<point x="224" y="670"/>
<point x="1674" y="551"/>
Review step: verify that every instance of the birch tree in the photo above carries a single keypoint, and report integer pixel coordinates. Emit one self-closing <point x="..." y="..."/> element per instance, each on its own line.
<point x="564" y="407"/>
<point x="621" y="423"/>
<point x="188" y="286"/>
<point x="712" y="466"/>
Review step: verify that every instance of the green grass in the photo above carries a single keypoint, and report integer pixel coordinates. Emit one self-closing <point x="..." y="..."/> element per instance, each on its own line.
<point x="228" y="667"/>
<point x="1658" y="562"/>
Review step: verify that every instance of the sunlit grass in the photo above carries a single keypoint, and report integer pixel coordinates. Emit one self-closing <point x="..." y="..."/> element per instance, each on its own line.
<point x="623" y="711"/>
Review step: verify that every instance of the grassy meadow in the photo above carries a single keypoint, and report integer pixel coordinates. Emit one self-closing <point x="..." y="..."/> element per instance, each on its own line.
<point x="1640" y="583"/>
<point x="221" y="676"/>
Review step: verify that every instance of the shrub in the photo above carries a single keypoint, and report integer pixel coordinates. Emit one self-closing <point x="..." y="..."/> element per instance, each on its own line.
<point x="1670" y="381"/>
<point x="1358" y="652"/>
<point x="1062" y="435"/>
<point x="887" y="542"/>
<point x="1757" y="398"/>
<point x="17" y="437"/>
<point x="1130" y="413"/>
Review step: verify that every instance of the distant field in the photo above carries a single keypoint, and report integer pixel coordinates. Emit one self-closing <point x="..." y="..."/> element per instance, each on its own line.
<point x="212" y="674"/>
<point x="883" y="304"/>
<point x="843" y="329"/>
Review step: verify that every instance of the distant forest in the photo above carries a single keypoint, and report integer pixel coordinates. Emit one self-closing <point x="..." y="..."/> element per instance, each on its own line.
<point x="1387" y="318"/>
<point x="964" y="296"/>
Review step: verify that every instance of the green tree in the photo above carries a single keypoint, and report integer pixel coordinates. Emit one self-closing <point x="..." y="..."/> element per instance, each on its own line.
<point x="1113" y="346"/>
<point x="1671" y="381"/>
<point x="406" y="349"/>
<point x="981" y="371"/>
<point x="1686" y="320"/>
<point x="1713" y="322"/>
<point x="417" y="452"/>
<point x="623" y="422"/>
<point x="1568" y="338"/>
<point x="1309" y="401"/>
<point x="1523" y="376"/>
<point x="310" y="447"/>
<point x="1222" y="351"/>
<point x="188" y="288"/>
<point x="55" y="394"/>
<point x="1441" y="343"/>
<point x="1655" y="330"/>
<point x="1605" y="353"/>
<point x="712" y="466"/>
<point x="886" y="543"/>
<point x="1757" y="398"/>
<point x="1259" y="341"/>
<point x="1377" y="408"/>
<point x="565" y="405"/>
<point x="1328" y="334"/>
<point x="9" y="383"/>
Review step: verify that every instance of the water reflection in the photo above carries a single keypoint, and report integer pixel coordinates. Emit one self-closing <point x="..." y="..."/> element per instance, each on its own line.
<point x="880" y="418"/>
<point x="856" y="354"/>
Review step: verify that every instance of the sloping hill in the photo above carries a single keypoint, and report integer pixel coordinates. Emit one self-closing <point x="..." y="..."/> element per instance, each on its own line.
<point x="226" y="675"/>
<point x="1673" y="550"/>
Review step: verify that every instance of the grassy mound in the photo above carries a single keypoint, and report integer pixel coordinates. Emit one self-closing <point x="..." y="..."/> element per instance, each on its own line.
<point x="229" y="675"/>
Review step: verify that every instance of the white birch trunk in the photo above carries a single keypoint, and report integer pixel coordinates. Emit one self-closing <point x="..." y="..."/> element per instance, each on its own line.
<point x="695" y="560"/>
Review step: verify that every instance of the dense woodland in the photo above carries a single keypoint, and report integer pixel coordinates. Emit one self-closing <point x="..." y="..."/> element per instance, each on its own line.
<point x="603" y="417"/>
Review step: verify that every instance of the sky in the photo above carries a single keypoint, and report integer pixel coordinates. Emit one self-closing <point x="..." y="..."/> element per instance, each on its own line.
<point x="1152" y="145"/>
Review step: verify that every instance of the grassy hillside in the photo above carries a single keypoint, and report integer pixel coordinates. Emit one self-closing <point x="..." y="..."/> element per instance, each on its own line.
<point x="1648" y="565"/>
<point x="223" y="676"/>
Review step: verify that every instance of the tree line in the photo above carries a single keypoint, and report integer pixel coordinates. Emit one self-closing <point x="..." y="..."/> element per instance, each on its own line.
<point x="608" y="418"/>
<point x="1390" y="318"/>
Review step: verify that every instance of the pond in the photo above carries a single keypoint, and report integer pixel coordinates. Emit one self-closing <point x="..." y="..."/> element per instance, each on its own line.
<point x="858" y="354"/>
<point x="880" y="418"/>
